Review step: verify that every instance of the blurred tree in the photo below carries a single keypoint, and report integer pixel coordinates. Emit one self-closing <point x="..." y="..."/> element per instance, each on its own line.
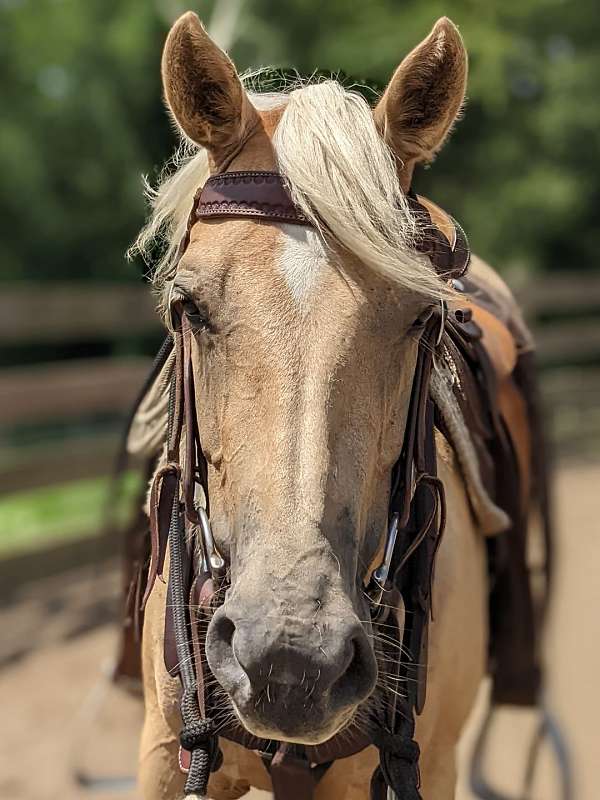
<point x="82" y="118"/>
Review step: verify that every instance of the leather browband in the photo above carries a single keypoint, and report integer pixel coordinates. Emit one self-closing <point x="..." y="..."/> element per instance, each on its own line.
<point x="265" y="195"/>
<point x="261" y="195"/>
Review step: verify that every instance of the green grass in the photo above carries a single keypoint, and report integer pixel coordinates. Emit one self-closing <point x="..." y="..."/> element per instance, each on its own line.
<point x="69" y="511"/>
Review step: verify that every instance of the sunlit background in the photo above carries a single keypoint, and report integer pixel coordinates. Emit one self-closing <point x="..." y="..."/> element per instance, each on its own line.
<point x="82" y="119"/>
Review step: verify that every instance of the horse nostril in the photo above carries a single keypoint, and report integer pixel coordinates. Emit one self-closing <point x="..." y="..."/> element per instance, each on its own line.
<point x="358" y="678"/>
<point x="220" y="637"/>
<point x="225" y="630"/>
<point x="234" y="653"/>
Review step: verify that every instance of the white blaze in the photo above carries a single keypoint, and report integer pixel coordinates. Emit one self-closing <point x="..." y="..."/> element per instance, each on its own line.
<point x="301" y="259"/>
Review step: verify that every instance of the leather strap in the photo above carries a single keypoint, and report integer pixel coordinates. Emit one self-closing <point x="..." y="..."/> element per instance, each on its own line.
<point x="343" y="745"/>
<point x="441" y="238"/>
<point x="260" y="195"/>
<point x="292" y="774"/>
<point x="162" y="493"/>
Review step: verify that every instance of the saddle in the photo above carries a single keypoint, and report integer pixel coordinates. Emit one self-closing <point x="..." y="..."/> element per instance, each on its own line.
<point x="486" y="352"/>
<point x="507" y="435"/>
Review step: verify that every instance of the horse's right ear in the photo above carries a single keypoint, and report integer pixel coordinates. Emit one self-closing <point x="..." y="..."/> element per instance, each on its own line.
<point x="203" y="90"/>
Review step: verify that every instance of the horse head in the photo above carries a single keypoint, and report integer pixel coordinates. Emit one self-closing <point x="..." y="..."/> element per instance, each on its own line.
<point x="304" y="343"/>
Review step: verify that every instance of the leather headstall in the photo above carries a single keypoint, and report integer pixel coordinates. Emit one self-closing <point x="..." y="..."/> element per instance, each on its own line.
<point x="179" y="517"/>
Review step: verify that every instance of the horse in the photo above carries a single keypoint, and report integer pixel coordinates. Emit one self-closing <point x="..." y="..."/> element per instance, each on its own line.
<point x="302" y="304"/>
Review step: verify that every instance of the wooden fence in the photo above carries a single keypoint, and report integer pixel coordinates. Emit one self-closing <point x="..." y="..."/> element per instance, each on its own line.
<point x="563" y="310"/>
<point x="564" y="314"/>
<point x="72" y="395"/>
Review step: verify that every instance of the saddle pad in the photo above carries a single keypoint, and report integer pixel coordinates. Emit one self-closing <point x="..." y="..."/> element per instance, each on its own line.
<point x="149" y="426"/>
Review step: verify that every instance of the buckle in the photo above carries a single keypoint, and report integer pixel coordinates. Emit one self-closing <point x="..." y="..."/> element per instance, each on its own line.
<point x="213" y="560"/>
<point x="380" y="575"/>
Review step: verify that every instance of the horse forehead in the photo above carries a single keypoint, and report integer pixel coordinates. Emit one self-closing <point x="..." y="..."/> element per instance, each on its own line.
<point x="286" y="263"/>
<point x="285" y="273"/>
<point x="301" y="261"/>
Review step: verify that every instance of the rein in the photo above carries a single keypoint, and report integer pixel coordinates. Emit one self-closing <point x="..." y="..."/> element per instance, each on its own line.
<point x="180" y="521"/>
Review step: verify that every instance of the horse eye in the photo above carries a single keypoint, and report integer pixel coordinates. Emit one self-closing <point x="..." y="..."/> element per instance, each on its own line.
<point x="197" y="318"/>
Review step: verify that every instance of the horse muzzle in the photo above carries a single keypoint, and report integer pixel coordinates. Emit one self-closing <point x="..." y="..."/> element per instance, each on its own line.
<point x="291" y="678"/>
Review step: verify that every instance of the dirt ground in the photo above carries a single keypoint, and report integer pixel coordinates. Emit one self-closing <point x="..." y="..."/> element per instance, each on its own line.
<point x="59" y="717"/>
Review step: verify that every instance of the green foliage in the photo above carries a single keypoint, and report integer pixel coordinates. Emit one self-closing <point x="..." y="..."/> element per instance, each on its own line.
<point x="82" y="119"/>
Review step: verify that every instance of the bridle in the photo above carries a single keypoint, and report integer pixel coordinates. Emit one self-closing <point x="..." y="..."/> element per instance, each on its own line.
<point x="180" y="511"/>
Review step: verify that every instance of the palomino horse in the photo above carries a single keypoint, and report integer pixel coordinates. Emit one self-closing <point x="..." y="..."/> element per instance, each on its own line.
<point x="303" y="303"/>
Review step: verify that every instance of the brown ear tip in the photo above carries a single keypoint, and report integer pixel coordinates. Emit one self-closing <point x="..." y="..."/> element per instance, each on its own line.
<point x="189" y="17"/>
<point x="445" y="23"/>
<point x="186" y="30"/>
<point x="188" y="21"/>
<point x="445" y="28"/>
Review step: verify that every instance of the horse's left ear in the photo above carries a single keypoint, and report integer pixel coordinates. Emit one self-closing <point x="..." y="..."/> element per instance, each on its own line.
<point x="425" y="95"/>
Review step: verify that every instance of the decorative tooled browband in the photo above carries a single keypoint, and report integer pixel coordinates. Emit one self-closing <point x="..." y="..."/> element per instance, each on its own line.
<point x="266" y="196"/>
<point x="262" y="195"/>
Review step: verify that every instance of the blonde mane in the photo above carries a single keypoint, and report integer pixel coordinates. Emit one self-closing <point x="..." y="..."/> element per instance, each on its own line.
<point x="341" y="174"/>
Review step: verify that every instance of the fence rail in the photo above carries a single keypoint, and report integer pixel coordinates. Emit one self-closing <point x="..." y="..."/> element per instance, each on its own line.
<point x="70" y="396"/>
<point x="563" y="311"/>
<point x="569" y="292"/>
<point x="67" y="312"/>
<point x="50" y="463"/>
<point x="71" y="389"/>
